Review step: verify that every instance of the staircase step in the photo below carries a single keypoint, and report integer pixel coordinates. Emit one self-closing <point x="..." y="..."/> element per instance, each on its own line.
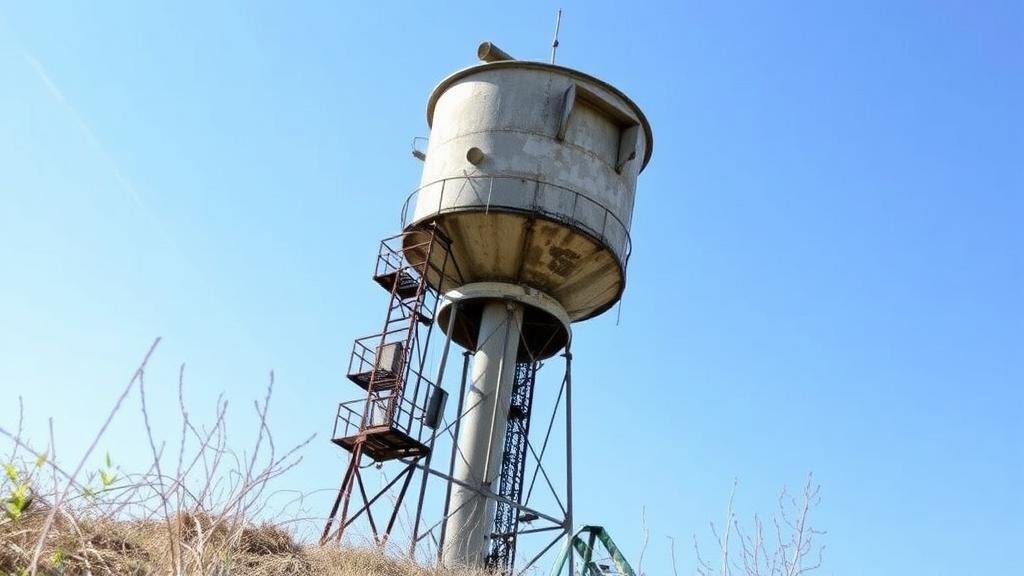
<point x="406" y="288"/>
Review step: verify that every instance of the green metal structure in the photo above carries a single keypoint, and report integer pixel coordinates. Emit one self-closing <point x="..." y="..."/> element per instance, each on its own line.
<point x="583" y="542"/>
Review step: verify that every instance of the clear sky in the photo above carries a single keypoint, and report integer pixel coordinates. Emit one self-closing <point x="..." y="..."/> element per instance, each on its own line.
<point x="827" y="271"/>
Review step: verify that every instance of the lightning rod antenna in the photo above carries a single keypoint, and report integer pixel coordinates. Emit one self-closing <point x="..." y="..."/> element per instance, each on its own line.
<point x="554" y="43"/>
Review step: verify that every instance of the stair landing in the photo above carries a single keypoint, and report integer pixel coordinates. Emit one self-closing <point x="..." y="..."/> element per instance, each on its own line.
<point x="384" y="443"/>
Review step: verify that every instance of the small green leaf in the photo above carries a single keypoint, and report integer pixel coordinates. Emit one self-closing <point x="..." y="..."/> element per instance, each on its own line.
<point x="11" y="472"/>
<point x="107" y="478"/>
<point x="19" y="495"/>
<point x="110" y="463"/>
<point x="41" y="459"/>
<point x="13" y="512"/>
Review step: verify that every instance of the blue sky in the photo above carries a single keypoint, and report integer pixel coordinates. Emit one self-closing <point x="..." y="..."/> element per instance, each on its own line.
<point x="827" y="271"/>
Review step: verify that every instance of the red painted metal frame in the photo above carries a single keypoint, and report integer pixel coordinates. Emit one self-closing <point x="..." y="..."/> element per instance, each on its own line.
<point x="390" y="424"/>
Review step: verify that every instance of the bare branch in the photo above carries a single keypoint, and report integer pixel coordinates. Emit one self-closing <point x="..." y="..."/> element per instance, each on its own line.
<point x="788" y="553"/>
<point x="85" y="457"/>
<point x="646" y="538"/>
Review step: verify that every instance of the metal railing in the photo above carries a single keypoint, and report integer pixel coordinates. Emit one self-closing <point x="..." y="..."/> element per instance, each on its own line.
<point x="364" y="352"/>
<point x="389" y="410"/>
<point x="572" y="205"/>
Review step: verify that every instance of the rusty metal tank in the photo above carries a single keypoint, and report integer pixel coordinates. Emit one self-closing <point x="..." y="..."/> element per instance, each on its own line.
<point x="531" y="171"/>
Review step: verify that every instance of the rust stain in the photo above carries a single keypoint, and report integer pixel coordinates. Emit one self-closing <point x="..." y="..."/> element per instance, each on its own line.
<point x="563" y="261"/>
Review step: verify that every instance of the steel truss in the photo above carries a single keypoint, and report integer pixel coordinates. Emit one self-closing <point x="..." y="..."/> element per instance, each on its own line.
<point x="513" y="469"/>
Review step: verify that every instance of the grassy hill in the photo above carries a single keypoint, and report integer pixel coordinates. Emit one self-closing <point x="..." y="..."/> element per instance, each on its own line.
<point x="188" y="544"/>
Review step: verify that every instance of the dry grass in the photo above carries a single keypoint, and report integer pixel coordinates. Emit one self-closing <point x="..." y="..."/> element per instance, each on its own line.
<point x="192" y="513"/>
<point x="111" y="547"/>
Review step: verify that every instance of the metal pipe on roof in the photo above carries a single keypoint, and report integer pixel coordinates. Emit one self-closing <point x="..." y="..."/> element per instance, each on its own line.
<point x="488" y="52"/>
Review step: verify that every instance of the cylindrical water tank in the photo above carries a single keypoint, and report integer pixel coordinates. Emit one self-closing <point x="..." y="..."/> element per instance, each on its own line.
<point x="531" y="171"/>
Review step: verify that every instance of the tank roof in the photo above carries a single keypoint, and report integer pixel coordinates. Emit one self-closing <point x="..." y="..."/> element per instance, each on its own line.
<point x="452" y="78"/>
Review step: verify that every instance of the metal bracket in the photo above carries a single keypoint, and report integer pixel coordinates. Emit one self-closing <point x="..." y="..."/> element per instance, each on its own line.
<point x="568" y="102"/>
<point x="627" y="146"/>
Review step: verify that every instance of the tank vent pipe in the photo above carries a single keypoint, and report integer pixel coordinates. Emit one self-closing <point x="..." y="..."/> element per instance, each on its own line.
<point x="490" y="53"/>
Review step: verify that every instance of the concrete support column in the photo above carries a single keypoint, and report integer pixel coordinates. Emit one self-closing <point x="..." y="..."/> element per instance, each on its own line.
<point x="482" y="433"/>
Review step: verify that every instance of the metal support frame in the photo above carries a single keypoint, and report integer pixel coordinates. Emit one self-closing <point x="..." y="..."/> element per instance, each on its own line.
<point x="560" y="521"/>
<point x="391" y="423"/>
<point x="513" y="469"/>
<point x="568" y="450"/>
<point x="405" y="395"/>
<point x="451" y="464"/>
<point x="591" y="566"/>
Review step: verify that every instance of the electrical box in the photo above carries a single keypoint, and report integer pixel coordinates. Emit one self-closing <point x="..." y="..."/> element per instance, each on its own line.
<point x="390" y="357"/>
<point x="435" y="408"/>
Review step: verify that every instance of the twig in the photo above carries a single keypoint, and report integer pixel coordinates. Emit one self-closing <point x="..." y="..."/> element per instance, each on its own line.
<point x="21" y="422"/>
<point x="173" y="539"/>
<point x="672" y="550"/>
<point x="78" y="469"/>
<point x="646" y="538"/>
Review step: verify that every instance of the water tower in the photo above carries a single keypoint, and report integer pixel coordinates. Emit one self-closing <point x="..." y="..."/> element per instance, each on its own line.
<point x="519" y="228"/>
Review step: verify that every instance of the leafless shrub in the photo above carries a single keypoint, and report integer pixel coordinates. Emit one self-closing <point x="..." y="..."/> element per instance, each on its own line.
<point x="193" y="513"/>
<point x="786" y="547"/>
